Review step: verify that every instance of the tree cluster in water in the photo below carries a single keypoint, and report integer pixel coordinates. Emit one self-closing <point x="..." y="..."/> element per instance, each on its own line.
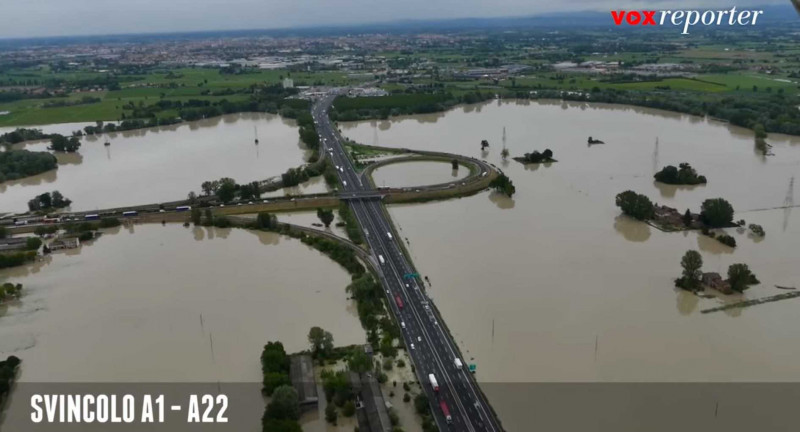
<point x="536" y="157"/>
<point x="15" y="164"/>
<point x="48" y="200"/>
<point x="683" y="175"/>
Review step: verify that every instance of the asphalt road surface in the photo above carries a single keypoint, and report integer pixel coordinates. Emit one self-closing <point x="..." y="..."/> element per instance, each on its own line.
<point x="432" y="349"/>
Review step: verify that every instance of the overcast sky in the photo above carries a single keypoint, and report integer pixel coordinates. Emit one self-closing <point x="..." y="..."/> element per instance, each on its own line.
<point x="31" y="18"/>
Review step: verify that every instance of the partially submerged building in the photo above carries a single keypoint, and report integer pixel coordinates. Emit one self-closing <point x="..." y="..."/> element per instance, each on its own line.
<point x="713" y="280"/>
<point x="372" y="412"/>
<point x="301" y="372"/>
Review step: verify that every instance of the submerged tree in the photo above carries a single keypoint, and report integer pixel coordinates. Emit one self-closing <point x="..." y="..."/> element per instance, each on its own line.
<point x="503" y="184"/>
<point x="692" y="263"/>
<point x="740" y="277"/>
<point x="321" y="341"/>
<point x="326" y="216"/>
<point x="717" y="212"/>
<point x="635" y="205"/>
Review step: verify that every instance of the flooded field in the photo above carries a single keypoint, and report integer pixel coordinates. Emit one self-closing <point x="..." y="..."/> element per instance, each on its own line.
<point x="171" y="304"/>
<point x="554" y="285"/>
<point x="163" y="164"/>
<point x="420" y="173"/>
<point x="308" y="219"/>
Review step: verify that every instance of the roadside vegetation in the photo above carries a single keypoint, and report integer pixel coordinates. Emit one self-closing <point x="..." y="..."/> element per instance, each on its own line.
<point x="350" y="223"/>
<point x="503" y="184"/>
<point x="13" y="259"/>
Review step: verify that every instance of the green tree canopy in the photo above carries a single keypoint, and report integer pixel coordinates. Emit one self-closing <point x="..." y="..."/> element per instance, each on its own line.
<point x="740" y="277"/>
<point x="359" y="361"/>
<point x="284" y="405"/>
<point x="717" y="212"/>
<point x="325" y="215"/>
<point x="321" y="341"/>
<point x="692" y="263"/>
<point x="635" y="205"/>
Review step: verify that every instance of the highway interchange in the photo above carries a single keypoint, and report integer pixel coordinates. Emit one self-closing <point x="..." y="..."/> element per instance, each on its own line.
<point x="429" y="344"/>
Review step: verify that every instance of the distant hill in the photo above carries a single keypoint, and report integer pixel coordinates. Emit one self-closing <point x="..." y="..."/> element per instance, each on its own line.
<point x="773" y="14"/>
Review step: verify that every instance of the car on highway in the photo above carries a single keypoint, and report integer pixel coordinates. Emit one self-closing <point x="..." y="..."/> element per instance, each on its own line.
<point x="412" y="346"/>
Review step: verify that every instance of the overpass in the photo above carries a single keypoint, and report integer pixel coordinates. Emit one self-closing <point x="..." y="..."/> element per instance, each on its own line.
<point x="434" y="350"/>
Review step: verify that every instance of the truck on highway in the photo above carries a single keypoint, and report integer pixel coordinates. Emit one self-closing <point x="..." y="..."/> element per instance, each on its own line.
<point x="458" y="363"/>
<point x="130" y="213"/>
<point x="183" y="208"/>
<point x="399" y="301"/>
<point x="380" y="257"/>
<point x="445" y="411"/>
<point x="434" y="384"/>
<point x="91" y="217"/>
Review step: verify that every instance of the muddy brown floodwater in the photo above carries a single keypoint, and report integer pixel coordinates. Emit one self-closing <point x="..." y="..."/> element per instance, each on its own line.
<point x="174" y="305"/>
<point x="163" y="164"/>
<point x="425" y="173"/>
<point x="554" y="285"/>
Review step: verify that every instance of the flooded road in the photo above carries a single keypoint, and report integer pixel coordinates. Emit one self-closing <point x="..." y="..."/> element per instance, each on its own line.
<point x="163" y="164"/>
<point x="425" y="173"/>
<point x="555" y="286"/>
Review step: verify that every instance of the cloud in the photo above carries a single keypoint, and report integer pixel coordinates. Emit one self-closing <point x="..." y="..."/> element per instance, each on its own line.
<point x="33" y="18"/>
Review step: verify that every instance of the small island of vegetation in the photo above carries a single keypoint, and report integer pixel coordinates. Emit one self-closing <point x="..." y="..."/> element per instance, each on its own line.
<point x="60" y="143"/>
<point x="536" y="157"/>
<point x="16" y="164"/>
<point x="683" y="175"/>
<point x="714" y="213"/>
<point x="693" y="279"/>
<point x="503" y="184"/>
<point x="9" y="291"/>
<point x="48" y="201"/>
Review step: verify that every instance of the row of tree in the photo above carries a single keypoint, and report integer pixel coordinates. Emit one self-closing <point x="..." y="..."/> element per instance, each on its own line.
<point x="283" y="411"/>
<point x="21" y="134"/>
<point x="226" y="189"/>
<point x="13" y="259"/>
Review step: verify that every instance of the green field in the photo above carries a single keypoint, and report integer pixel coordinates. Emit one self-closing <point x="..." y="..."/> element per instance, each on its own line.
<point x="158" y="84"/>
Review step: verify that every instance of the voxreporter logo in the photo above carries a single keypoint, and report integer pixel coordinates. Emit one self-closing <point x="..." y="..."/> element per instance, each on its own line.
<point x="686" y="18"/>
